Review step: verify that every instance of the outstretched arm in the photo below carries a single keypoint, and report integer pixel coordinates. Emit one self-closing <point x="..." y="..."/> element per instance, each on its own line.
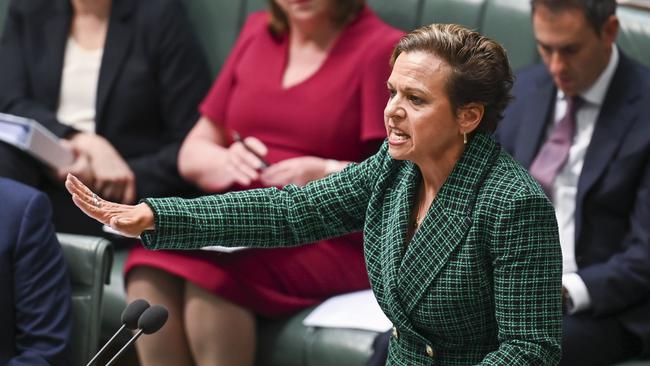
<point x="270" y="217"/>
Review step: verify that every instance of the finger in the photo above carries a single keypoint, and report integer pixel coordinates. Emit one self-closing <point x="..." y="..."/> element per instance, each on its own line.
<point x="129" y="193"/>
<point x="101" y="184"/>
<point x="273" y="170"/>
<point x="244" y="156"/>
<point x="249" y="172"/>
<point x="107" y="191"/>
<point x="240" y="165"/>
<point x="91" y="210"/>
<point x="75" y="186"/>
<point x="114" y="191"/>
<point x="277" y="170"/>
<point x="70" y="147"/>
<point x="126" y="226"/>
<point x="241" y="178"/>
<point x="84" y="194"/>
<point x="256" y="145"/>
<point x="280" y="178"/>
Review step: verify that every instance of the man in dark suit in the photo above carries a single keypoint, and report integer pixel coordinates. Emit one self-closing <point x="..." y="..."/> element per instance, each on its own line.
<point x="35" y="309"/>
<point x="119" y="80"/>
<point x="581" y="125"/>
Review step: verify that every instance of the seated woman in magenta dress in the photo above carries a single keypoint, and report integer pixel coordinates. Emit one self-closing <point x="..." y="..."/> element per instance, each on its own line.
<point x="305" y="89"/>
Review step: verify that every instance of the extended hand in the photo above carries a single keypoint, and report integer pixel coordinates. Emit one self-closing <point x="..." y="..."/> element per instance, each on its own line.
<point x="127" y="219"/>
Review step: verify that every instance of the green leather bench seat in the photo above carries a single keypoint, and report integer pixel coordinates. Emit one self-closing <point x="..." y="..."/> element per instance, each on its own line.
<point x="286" y="342"/>
<point x="283" y="341"/>
<point x="89" y="262"/>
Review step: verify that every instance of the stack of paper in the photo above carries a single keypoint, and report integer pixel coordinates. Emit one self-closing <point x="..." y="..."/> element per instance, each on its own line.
<point x="356" y="310"/>
<point x="31" y="137"/>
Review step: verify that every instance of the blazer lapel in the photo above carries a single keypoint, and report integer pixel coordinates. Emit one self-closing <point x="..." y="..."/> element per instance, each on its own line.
<point x="447" y="222"/>
<point x="116" y="48"/>
<point x="539" y="105"/>
<point x="51" y="38"/>
<point x="397" y="216"/>
<point x="617" y="113"/>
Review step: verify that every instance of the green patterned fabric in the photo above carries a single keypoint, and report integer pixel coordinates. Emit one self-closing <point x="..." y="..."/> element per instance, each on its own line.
<point x="479" y="283"/>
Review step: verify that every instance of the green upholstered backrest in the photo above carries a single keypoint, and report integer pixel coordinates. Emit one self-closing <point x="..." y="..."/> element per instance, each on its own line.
<point x="217" y="23"/>
<point x="634" y="34"/>
<point x="508" y="22"/>
<point x="255" y="5"/>
<point x="89" y="262"/>
<point x="3" y="12"/>
<point x="468" y="13"/>
<point x="403" y="14"/>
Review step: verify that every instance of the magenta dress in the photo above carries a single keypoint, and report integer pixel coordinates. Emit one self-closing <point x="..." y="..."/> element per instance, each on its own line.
<point x="337" y="113"/>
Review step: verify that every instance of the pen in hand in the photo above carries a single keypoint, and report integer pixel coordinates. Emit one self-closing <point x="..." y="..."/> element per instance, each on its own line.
<point x="237" y="138"/>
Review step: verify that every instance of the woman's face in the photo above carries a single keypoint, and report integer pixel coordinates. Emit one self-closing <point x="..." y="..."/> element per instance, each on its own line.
<point x="419" y="119"/>
<point x="304" y="10"/>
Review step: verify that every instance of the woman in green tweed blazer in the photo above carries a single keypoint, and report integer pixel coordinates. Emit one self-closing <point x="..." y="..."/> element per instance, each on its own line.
<point x="461" y="244"/>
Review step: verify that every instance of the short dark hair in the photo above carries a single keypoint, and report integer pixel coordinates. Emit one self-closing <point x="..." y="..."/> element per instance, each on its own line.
<point x="596" y="11"/>
<point x="344" y="11"/>
<point x="480" y="72"/>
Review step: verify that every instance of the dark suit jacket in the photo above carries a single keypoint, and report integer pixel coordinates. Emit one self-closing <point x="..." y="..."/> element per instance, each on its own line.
<point x="152" y="78"/>
<point x="34" y="285"/>
<point x="479" y="282"/>
<point x="612" y="221"/>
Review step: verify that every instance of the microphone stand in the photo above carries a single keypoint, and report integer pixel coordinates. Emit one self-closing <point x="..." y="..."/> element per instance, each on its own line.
<point x="133" y="339"/>
<point x="105" y="345"/>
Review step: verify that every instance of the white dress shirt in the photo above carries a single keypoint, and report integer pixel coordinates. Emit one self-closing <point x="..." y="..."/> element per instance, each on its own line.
<point x="79" y="80"/>
<point x="565" y="187"/>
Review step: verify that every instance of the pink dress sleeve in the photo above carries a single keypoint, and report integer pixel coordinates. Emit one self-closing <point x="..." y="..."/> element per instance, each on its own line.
<point x="216" y="101"/>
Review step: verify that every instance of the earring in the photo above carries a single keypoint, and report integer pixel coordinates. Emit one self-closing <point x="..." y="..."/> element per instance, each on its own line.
<point x="465" y="138"/>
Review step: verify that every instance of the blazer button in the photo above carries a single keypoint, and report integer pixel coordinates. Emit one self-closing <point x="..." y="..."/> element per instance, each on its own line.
<point x="395" y="333"/>
<point x="430" y="351"/>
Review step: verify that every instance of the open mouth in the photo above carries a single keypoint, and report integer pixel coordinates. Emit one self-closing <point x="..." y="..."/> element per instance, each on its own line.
<point x="397" y="136"/>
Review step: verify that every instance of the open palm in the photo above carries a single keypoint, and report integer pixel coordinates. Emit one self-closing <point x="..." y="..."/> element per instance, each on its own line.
<point x="130" y="220"/>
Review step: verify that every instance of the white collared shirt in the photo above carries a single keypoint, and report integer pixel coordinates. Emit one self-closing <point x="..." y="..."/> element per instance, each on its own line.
<point x="565" y="187"/>
<point x="79" y="86"/>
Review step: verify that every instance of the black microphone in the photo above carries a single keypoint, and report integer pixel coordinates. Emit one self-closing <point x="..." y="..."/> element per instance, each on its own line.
<point x="150" y="322"/>
<point x="130" y="316"/>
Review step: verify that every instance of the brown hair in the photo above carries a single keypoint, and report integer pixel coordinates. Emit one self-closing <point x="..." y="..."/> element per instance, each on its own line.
<point x="596" y="11"/>
<point x="480" y="72"/>
<point x="343" y="11"/>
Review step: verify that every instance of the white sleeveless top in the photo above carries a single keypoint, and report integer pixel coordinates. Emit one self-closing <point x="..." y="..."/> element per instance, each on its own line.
<point x="79" y="80"/>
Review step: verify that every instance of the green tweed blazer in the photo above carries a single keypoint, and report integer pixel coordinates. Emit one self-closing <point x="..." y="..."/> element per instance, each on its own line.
<point x="479" y="283"/>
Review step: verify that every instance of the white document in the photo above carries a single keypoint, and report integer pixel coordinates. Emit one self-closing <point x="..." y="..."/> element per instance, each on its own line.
<point x="222" y="249"/>
<point x="356" y="310"/>
<point x="31" y="137"/>
<point x="110" y="230"/>
<point x="216" y="248"/>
